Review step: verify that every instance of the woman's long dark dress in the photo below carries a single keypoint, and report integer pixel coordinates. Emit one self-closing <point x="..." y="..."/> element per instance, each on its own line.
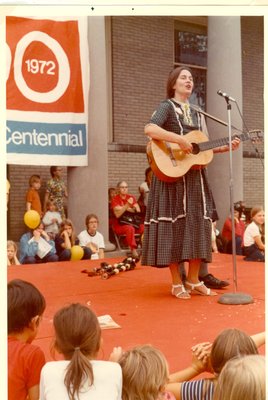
<point x="179" y="214"/>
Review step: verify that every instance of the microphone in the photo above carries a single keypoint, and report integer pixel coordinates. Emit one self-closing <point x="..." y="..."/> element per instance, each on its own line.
<point x="225" y="95"/>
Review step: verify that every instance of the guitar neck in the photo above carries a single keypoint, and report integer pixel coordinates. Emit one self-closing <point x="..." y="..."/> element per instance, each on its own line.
<point x="221" y="142"/>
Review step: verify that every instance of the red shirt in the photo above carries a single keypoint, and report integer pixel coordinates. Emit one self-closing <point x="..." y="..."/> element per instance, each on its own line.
<point x="227" y="229"/>
<point x="33" y="197"/>
<point x="25" y="362"/>
<point x="118" y="201"/>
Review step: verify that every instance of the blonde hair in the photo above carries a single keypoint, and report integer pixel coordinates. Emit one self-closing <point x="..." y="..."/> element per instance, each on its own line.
<point x="242" y="378"/>
<point x="230" y="343"/>
<point x="255" y="210"/>
<point x="14" y="260"/>
<point x="145" y="373"/>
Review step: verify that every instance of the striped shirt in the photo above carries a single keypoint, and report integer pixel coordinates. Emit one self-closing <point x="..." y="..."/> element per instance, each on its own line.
<point x="202" y="389"/>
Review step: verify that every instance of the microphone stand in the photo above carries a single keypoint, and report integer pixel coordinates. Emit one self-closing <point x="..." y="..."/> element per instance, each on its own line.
<point x="233" y="298"/>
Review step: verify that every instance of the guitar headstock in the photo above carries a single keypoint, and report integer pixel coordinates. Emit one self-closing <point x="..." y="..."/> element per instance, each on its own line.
<point x="256" y="136"/>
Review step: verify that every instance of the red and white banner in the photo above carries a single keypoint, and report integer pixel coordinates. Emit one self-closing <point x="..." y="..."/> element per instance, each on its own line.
<point x="47" y="91"/>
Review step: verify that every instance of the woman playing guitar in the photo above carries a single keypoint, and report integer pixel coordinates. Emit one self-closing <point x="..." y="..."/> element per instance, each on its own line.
<point x="180" y="212"/>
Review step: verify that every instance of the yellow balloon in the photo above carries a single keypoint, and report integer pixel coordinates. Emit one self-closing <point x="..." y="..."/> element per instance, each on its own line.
<point x="76" y="253"/>
<point x="32" y="219"/>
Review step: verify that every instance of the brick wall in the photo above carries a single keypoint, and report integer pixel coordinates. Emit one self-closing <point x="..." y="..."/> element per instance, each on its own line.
<point x="253" y="106"/>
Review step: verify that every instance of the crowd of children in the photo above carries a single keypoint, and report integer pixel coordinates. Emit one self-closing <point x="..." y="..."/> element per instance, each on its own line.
<point x="140" y="373"/>
<point x="53" y="238"/>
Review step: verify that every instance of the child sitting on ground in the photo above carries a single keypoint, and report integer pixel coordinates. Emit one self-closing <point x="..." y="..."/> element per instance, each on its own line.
<point x="145" y="373"/>
<point x="66" y="239"/>
<point x="80" y="375"/>
<point x="12" y="253"/>
<point x="91" y="238"/>
<point x="209" y="357"/>
<point x="36" y="247"/>
<point x="33" y="201"/>
<point x="254" y="247"/>
<point x="242" y="378"/>
<point x="52" y="219"/>
<point x="25" y="309"/>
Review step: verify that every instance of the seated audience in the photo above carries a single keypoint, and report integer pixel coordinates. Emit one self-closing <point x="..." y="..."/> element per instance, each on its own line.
<point x="212" y="358"/>
<point x="242" y="378"/>
<point x="145" y="373"/>
<point x="239" y="231"/>
<point x="66" y="239"/>
<point x="26" y="306"/>
<point x="12" y="253"/>
<point x="52" y="219"/>
<point x="80" y="375"/>
<point x="254" y="247"/>
<point x="126" y="204"/>
<point x="91" y="238"/>
<point x="37" y="247"/>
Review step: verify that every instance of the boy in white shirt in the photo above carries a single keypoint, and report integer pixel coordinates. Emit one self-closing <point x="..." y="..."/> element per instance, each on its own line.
<point x="91" y="238"/>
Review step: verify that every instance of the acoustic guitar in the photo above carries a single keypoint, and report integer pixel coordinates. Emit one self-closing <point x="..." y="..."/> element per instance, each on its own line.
<point x="170" y="163"/>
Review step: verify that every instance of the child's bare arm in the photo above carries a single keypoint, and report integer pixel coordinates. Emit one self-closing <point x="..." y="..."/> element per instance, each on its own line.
<point x="33" y="393"/>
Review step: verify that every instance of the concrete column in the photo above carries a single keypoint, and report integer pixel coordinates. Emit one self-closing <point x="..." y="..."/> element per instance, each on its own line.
<point x="88" y="186"/>
<point x="225" y="73"/>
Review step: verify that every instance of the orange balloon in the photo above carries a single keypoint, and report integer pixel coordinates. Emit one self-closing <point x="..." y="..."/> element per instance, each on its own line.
<point x="32" y="219"/>
<point x="76" y="253"/>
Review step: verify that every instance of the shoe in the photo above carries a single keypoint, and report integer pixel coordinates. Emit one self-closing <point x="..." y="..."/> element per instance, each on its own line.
<point x="182" y="294"/>
<point x="214" y="283"/>
<point x="199" y="288"/>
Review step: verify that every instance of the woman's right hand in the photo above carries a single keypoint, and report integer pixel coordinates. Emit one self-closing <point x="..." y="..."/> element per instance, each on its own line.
<point x="185" y="145"/>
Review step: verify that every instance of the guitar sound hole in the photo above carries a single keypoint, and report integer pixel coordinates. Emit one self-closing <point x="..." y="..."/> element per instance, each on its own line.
<point x="196" y="149"/>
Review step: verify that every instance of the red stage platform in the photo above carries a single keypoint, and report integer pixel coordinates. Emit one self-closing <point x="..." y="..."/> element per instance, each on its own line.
<point x="141" y="303"/>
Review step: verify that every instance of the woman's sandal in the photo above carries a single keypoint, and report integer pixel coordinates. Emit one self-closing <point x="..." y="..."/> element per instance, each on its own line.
<point x="195" y="289"/>
<point x="182" y="294"/>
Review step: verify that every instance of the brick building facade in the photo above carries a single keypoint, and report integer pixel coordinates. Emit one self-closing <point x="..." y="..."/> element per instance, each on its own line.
<point x="140" y="55"/>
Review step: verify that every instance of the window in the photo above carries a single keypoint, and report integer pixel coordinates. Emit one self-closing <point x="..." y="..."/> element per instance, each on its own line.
<point x="191" y="49"/>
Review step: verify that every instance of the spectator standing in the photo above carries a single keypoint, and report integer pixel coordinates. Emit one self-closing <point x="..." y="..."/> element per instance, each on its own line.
<point x="56" y="190"/>
<point x="33" y="201"/>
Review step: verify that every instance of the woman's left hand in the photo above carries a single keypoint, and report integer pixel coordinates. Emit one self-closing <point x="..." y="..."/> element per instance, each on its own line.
<point x="235" y="143"/>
